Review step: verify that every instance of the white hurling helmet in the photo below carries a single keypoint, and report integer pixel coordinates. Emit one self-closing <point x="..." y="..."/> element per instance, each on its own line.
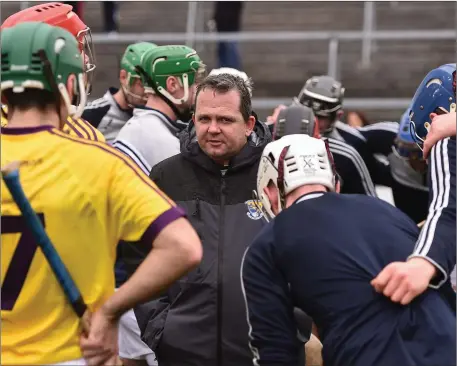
<point x="241" y="74"/>
<point x="291" y="162"/>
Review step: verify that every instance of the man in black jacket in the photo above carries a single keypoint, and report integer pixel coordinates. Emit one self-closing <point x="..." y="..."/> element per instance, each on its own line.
<point x="202" y="319"/>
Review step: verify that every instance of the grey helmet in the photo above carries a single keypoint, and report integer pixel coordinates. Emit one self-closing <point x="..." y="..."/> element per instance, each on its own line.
<point x="324" y="95"/>
<point x="296" y="119"/>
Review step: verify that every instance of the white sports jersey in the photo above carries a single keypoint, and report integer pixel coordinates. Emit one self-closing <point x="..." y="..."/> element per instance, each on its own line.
<point x="106" y="115"/>
<point x="149" y="137"/>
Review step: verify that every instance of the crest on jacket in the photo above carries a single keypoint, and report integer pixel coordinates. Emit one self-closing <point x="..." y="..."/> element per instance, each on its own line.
<point x="254" y="209"/>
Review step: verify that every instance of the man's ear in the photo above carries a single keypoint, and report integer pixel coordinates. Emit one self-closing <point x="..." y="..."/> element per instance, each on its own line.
<point x="123" y="77"/>
<point x="316" y="132"/>
<point x="338" y="186"/>
<point x="72" y="86"/>
<point x="272" y="194"/>
<point x="250" y="125"/>
<point x="339" y="114"/>
<point x="172" y="84"/>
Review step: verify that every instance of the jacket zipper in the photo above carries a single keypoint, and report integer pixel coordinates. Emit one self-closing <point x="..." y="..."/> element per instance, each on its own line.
<point x="220" y="266"/>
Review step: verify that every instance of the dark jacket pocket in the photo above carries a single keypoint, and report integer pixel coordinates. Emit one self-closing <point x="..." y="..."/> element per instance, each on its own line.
<point x="151" y="318"/>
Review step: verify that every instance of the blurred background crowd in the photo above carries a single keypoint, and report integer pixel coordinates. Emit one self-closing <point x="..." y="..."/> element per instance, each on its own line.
<point x="378" y="50"/>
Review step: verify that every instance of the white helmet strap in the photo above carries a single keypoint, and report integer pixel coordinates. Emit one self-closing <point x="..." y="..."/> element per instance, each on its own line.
<point x="171" y="98"/>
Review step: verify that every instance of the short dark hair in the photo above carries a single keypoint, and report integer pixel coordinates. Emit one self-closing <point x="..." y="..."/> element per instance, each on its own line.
<point x="30" y="98"/>
<point x="223" y="83"/>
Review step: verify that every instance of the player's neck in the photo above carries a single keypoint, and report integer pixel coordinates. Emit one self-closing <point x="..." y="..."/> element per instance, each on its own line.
<point x="162" y="106"/>
<point x="301" y="191"/>
<point x="119" y="97"/>
<point x="33" y="117"/>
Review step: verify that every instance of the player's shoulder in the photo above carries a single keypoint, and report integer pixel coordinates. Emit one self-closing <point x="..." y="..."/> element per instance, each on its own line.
<point x="89" y="150"/>
<point x="264" y="240"/>
<point x="81" y="128"/>
<point x="95" y="111"/>
<point x="142" y="132"/>
<point x="369" y="207"/>
<point x="175" y="166"/>
<point x="100" y="103"/>
<point x="385" y="126"/>
<point x="339" y="145"/>
<point x="137" y="127"/>
<point x="348" y="130"/>
<point x="344" y="152"/>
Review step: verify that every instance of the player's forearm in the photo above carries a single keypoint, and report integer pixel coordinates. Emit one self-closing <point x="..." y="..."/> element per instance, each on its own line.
<point x="176" y="251"/>
<point x="438" y="248"/>
<point x="441" y="255"/>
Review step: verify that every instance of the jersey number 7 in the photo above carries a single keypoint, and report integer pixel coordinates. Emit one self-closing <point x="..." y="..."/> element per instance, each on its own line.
<point x="21" y="260"/>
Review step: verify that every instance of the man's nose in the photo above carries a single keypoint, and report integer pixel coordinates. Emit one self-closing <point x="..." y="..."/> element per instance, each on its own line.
<point x="214" y="127"/>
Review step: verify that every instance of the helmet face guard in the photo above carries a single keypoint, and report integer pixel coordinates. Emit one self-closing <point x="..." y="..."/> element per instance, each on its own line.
<point x="86" y="47"/>
<point x="410" y="153"/>
<point x="324" y="95"/>
<point x="320" y="107"/>
<point x="131" y="58"/>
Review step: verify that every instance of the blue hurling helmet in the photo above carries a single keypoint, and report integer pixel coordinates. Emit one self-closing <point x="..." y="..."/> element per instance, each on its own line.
<point x="435" y="94"/>
<point x="405" y="146"/>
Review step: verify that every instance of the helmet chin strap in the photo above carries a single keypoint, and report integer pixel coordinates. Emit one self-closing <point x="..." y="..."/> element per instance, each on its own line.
<point x="127" y="92"/>
<point x="74" y="111"/>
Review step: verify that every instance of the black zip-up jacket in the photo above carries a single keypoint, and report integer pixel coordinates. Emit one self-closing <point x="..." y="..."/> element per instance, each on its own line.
<point x="202" y="319"/>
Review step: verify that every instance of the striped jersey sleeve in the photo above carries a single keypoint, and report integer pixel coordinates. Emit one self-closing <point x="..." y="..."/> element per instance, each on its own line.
<point x="83" y="129"/>
<point x="133" y="153"/>
<point x="437" y="241"/>
<point x="352" y="169"/>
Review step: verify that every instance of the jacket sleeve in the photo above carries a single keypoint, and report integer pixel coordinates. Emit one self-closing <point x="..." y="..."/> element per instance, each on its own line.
<point x="437" y="239"/>
<point x="270" y="312"/>
<point x="95" y="113"/>
<point x="380" y="136"/>
<point x="352" y="169"/>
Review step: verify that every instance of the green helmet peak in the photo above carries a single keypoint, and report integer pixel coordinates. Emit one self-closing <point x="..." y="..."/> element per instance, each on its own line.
<point x="40" y="56"/>
<point x="162" y="62"/>
<point x="132" y="58"/>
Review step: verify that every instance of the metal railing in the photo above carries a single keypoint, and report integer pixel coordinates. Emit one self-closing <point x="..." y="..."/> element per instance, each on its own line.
<point x="333" y="38"/>
<point x="349" y="103"/>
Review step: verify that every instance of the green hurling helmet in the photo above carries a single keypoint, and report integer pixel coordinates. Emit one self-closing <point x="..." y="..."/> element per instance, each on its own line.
<point x="40" y="56"/>
<point x="163" y="61"/>
<point x="132" y="58"/>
